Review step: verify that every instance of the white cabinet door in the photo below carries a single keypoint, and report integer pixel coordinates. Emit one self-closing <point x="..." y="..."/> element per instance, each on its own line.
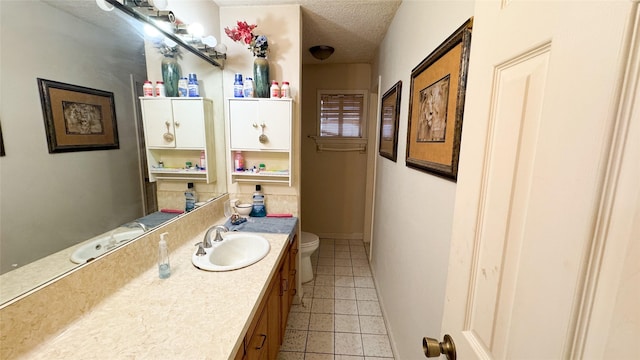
<point x="248" y="119"/>
<point x="183" y="120"/>
<point x="158" y="121"/>
<point x="188" y="118"/>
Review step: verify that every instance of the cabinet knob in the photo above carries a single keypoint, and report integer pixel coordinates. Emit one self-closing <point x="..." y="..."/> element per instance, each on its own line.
<point x="177" y="123"/>
<point x="255" y="125"/>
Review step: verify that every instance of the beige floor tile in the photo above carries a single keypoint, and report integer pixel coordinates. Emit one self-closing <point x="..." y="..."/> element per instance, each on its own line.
<point x="359" y="255"/>
<point x="304" y="307"/>
<point x="376" y="345"/>
<point x="324" y="292"/>
<point x="298" y="321"/>
<point x="348" y="357"/>
<point x="367" y="294"/>
<point x="343" y="270"/>
<point x="342" y="248"/>
<point x="320" y="342"/>
<point x="294" y="340"/>
<point x="346" y="307"/>
<point x="325" y="280"/>
<point x="361" y="271"/>
<point x="315" y="356"/>
<point x="347" y="323"/>
<point x="322" y="306"/>
<point x="348" y="344"/>
<point x="326" y="253"/>
<point x="325" y="270"/>
<point x="344" y="281"/>
<point x="345" y="293"/>
<point x="363" y="282"/>
<point x="326" y="261"/>
<point x="359" y="262"/>
<point x="342" y="262"/>
<point x="287" y="355"/>
<point x="341" y="241"/>
<point x="321" y="322"/>
<point x="342" y="255"/>
<point x="371" y="308"/>
<point x="372" y="325"/>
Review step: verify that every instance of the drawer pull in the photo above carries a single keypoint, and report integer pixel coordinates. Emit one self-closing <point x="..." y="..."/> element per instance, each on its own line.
<point x="264" y="339"/>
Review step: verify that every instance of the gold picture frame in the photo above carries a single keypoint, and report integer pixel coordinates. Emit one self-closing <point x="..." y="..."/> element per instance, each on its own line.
<point x="389" y="119"/>
<point x="78" y="118"/>
<point x="436" y="106"/>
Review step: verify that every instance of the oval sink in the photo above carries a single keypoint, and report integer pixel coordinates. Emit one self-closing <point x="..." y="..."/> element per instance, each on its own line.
<point x="236" y="251"/>
<point x="103" y="243"/>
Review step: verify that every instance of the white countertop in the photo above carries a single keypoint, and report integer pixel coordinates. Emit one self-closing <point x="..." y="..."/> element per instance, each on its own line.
<point x="194" y="314"/>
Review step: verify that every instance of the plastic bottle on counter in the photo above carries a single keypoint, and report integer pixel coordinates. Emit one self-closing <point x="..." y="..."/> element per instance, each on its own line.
<point x="275" y="90"/>
<point x="183" y="87"/>
<point x="192" y="85"/>
<point x="160" y="91"/>
<point x="258" y="209"/>
<point x="248" y="87"/>
<point x="190" y="198"/>
<point x="147" y="89"/>
<point x="285" y="92"/>
<point x="203" y="160"/>
<point x="238" y="161"/>
<point x="238" y="86"/>
<point x="164" y="268"/>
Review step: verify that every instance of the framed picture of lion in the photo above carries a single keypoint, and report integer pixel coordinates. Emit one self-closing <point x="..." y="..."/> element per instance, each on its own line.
<point x="436" y="106"/>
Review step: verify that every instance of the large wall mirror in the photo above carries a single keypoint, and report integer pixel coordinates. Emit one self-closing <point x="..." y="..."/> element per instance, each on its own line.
<point x="51" y="203"/>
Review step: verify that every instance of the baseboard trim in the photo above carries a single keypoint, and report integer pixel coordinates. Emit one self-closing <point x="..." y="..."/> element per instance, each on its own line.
<point x="352" y="236"/>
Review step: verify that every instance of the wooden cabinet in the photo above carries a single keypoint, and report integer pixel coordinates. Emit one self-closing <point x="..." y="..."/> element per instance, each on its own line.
<point x="261" y="130"/>
<point x="267" y="329"/>
<point x="177" y="131"/>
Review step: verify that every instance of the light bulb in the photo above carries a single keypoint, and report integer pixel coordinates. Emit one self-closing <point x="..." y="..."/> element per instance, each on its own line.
<point x="104" y="5"/>
<point x="195" y="29"/>
<point x="151" y="31"/>
<point x="159" y="4"/>
<point x="210" y="41"/>
<point x="170" y="43"/>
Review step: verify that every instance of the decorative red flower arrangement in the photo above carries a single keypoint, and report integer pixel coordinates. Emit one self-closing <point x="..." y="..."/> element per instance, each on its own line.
<point x="243" y="32"/>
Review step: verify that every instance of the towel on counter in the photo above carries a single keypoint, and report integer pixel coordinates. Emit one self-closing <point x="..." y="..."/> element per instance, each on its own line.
<point x="264" y="225"/>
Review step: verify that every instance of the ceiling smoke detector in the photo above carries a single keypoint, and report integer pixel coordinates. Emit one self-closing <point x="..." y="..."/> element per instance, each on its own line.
<point x="321" y="52"/>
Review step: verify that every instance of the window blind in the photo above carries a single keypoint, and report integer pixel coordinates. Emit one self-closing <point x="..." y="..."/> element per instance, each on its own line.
<point x="341" y="115"/>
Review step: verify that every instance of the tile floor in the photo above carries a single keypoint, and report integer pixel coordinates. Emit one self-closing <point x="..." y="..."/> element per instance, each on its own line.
<point x="340" y="316"/>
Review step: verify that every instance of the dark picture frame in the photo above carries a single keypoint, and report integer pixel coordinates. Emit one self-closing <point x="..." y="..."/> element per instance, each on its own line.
<point x="389" y="120"/>
<point x="78" y="118"/>
<point x="436" y="106"/>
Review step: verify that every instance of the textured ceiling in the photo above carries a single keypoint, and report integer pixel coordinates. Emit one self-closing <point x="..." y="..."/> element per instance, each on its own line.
<point x="354" y="28"/>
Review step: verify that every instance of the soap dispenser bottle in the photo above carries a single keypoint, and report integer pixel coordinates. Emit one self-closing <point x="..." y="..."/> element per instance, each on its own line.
<point x="258" y="209"/>
<point x="164" y="268"/>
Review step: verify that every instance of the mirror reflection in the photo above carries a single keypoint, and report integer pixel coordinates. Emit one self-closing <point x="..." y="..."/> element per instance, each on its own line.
<point x="53" y="204"/>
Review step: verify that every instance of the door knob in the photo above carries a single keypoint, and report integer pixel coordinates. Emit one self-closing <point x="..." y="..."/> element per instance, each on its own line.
<point x="433" y="348"/>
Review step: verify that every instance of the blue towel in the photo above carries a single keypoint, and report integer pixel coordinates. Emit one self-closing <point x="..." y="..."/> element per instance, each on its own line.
<point x="265" y="225"/>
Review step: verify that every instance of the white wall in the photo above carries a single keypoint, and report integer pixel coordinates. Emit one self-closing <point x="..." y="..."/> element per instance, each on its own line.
<point x="413" y="209"/>
<point x="51" y="201"/>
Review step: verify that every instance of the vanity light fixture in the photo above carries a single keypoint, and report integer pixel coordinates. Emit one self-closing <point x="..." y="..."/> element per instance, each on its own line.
<point x="321" y="52"/>
<point x="104" y="6"/>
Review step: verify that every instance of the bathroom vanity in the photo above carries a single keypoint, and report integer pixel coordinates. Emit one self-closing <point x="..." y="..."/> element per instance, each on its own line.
<point x="193" y="314"/>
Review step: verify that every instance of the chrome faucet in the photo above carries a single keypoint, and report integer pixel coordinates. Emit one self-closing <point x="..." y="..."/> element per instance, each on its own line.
<point x="206" y="243"/>
<point x="138" y="224"/>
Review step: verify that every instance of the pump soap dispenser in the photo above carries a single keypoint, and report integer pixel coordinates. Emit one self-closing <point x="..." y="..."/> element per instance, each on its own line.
<point x="164" y="269"/>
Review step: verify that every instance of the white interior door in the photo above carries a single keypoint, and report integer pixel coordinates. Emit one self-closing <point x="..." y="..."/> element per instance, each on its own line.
<point x="538" y="177"/>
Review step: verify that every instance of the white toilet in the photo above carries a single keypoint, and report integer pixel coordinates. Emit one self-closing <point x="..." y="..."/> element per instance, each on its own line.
<point x="308" y="245"/>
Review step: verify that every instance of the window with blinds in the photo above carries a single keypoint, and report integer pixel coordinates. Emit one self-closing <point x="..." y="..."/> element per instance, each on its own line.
<point x="341" y="114"/>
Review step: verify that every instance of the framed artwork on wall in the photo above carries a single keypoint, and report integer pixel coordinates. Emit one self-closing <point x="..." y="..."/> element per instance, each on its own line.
<point x="436" y="106"/>
<point x="389" y="119"/>
<point x="77" y="118"/>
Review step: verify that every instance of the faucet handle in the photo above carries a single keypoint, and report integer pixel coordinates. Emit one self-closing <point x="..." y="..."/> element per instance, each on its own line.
<point x="219" y="229"/>
<point x="201" y="250"/>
